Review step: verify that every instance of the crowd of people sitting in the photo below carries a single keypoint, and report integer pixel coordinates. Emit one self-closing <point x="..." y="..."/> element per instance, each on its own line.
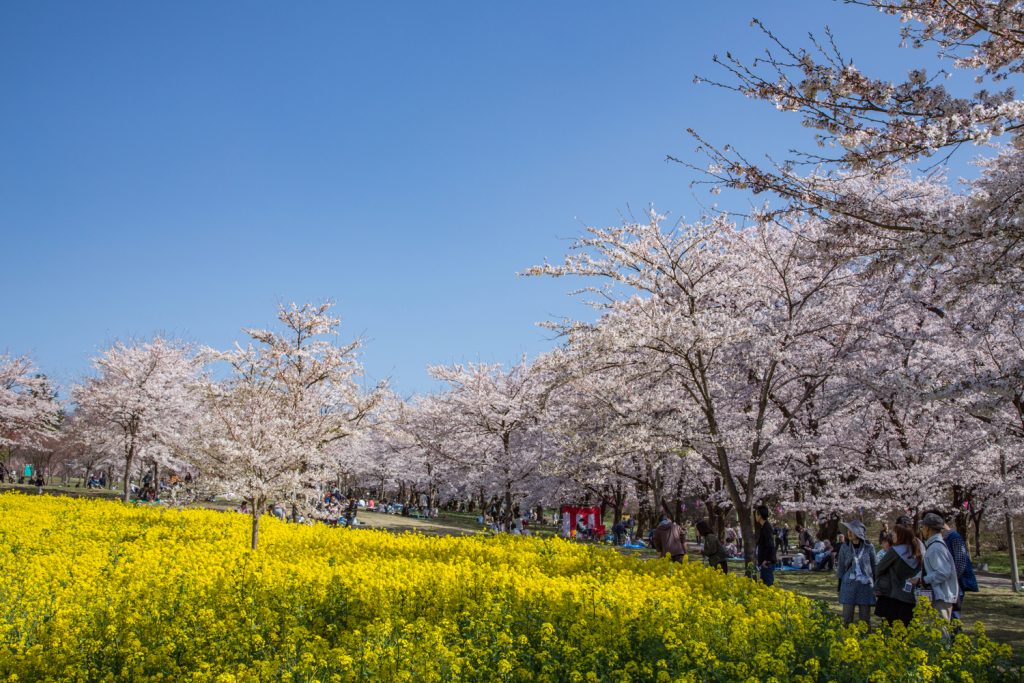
<point x="29" y="476"/>
<point x="335" y="508"/>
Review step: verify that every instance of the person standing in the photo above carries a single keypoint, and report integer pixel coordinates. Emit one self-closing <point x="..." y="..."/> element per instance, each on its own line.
<point x="883" y="533"/>
<point x="766" y="557"/>
<point x="965" y="577"/>
<point x="939" y="570"/>
<point x="713" y="549"/>
<point x="350" y="513"/>
<point x="619" y="532"/>
<point x="893" y="587"/>
<point x="855" y="567"/>
<point x="667" y="539"/>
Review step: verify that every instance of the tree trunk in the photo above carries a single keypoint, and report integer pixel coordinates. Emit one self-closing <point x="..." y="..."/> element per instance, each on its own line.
<point x="620" y="502"/>
<point x="255" y="525"/>
<point x="1012" y="543"/>
<point x="798" y="498"/>
<point x="129" y="457"/>
<point x="643" y="511"/>
<point x="643" y="514"/>
<point x="976" y="520"/>
<point x="960" y="496"/>
<point x="507" y="515"/>
<point x="657" y="485"/>
<point x="506" y="444"/>
<point x="747" y="531"/>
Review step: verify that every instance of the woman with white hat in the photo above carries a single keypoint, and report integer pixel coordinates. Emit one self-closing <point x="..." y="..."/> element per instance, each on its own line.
<point x="855" y="568"/>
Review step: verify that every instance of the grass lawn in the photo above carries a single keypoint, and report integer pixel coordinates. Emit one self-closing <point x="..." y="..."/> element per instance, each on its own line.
<point x="108" y="494"/>
<point x="1000" y="609"/>
<point x="998" y="562"/>
<point x="445" y="523"/>
<point x="79" y="492"/>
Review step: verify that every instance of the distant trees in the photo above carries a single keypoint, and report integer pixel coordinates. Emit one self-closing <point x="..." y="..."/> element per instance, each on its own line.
<point x="140" y="399"/>
<point x="492" y="416"/>
<point x="29" y="409"/>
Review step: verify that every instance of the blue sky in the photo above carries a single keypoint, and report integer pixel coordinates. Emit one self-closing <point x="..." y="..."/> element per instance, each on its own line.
<point x="183" y="167"/>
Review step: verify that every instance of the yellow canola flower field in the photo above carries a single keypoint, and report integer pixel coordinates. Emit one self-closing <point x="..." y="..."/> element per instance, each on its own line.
<point x="99" y="591"/>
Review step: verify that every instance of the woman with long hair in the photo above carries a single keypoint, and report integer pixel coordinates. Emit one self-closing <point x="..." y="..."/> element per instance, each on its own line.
<point x="895" y="593"/>
<point x="713" y="549"/>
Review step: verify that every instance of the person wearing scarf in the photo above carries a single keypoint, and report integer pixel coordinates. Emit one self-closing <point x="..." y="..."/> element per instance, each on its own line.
<point x="855" y="568"/>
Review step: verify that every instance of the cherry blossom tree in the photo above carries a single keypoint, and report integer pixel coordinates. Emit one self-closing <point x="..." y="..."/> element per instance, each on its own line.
<point x="930" y="413"/>
<point x="289" y="395"/>
<point x="737" y="320"/>
<point x="990" y="393"/>
<point x="29" y="410"/>
<point x="866" y="126"/>
<point x="140" y="397"/>
<point x="615" y="430"/>
<point x="423" y="452"/>
<point x="88" y="446"/>
<point x="492" y="415"/>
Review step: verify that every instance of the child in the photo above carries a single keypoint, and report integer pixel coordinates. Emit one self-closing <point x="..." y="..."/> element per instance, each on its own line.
<point x="885" y="541"/>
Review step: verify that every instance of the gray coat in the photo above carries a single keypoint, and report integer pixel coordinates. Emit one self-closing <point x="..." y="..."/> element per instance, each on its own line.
<point x="851" y="591"/>
<point x="939" y="570"/>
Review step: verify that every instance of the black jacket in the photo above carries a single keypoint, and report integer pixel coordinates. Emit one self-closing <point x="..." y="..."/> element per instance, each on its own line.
<point x="891" y="574"/>
<point x="766" y="544"/>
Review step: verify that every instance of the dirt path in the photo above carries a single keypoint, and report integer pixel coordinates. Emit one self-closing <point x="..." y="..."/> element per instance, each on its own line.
<point x="377" y="520"/>
<point x="991" y="580"/>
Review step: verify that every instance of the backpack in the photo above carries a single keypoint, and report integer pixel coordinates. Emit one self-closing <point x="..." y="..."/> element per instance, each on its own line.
<point x="969" y="582"/>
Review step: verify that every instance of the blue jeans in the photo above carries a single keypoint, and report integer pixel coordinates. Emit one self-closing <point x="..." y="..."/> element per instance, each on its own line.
<point x="767" y="575"/>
